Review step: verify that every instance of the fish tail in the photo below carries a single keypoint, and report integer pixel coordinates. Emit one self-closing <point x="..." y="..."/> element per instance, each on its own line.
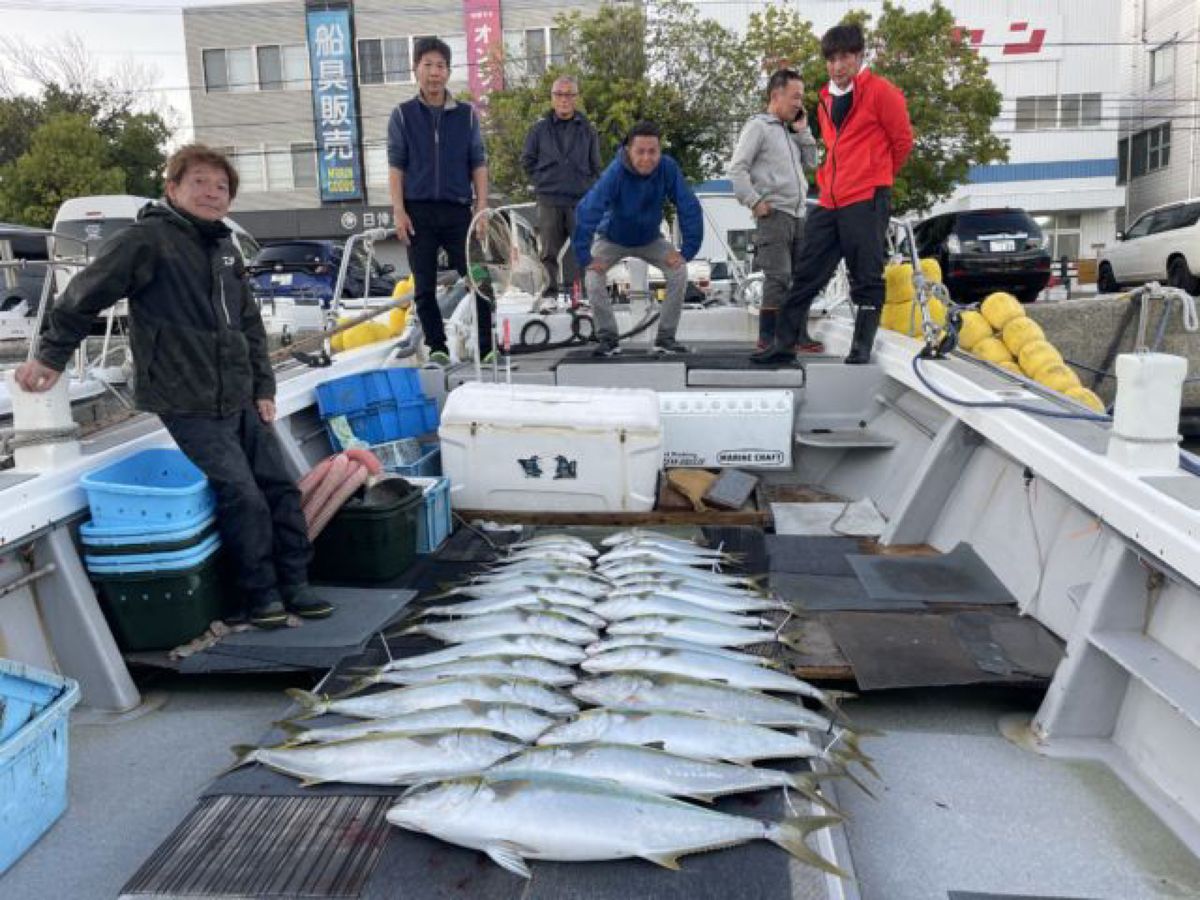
<point x="807" y="786"/>
<point x="311" y="704"/>
<point x="850" y="751"/>
<point x="842" y="761"/>
<point x="245" y="753"/>
<point x="790" y="835"/>
<point x="357" y="686"/>
<point x="292" y="729"/>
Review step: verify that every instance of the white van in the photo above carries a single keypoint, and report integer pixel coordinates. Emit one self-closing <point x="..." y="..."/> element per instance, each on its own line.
<point x="82" y="223"/>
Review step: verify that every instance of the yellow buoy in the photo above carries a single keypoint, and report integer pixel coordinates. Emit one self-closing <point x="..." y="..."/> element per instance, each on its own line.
<point x="1036" y="355"/>
<point x="974" y="329"/>
<point x="1009" y="366"/>
<point x="932" y="270"/>
<point x="898" y="283"/>
<point x="993" y="350"/>
<point x="1087" y="398"/>
<point x="403" y="288"/>
<point x="397" y="320"/>
<point x="1000" y="309"/>
<point x="1021" y="331"/>
<point x="1058" y="377"/>
<point x="337" y="342"/>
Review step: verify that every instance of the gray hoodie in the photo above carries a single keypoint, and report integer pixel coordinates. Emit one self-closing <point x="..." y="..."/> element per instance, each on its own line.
<point x="769" y="164"/>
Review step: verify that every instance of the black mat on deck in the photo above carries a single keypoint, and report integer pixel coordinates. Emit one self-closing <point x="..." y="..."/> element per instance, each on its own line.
<point x="826" y="593"/>
<point x="811" y="555"/>
<point x="742" y="539"/>
<point x="702" y="357"/>
<point x="959" y="577"/>
<point x="894" y="650"/>
<point x="317" y="644"/>
<point x="974" y="895"/>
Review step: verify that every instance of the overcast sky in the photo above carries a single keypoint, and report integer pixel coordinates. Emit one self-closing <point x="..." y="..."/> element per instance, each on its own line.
<point x="150" y="32"/>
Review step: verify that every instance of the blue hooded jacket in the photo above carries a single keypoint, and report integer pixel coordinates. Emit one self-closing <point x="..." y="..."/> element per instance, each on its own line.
<point x="626" y="208"/>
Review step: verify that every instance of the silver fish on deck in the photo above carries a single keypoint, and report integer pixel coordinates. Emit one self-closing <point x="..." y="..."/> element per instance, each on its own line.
<point x="575" y="613"/>
<point x="531" y="668"/>
<point x="502" y="602"/>
<point x="649" y="605"/>
<point x="521" y="722"/>
<point x="517" y="816"/>
<point x="699" y="596"/>
<point x="697" y="631"/>
<point x="513" y="645"/>
<point x="666" y="642"/>
<point x="477" y="628"/>
<point x="384" y="758"/>
<point x="385" y="704"/>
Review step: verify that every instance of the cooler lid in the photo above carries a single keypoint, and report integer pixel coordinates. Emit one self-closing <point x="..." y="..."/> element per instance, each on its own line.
<point x="534" y="405"/>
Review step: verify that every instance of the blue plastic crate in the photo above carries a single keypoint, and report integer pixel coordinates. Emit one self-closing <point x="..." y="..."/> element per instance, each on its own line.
<point x="428" y="466"/>
<point x="169" y="561"/>
<point x="94" y="534"/>
<point x="390" y="421"/>
<point x="158" y="487"/>
<point x="429" y="415"/>
<point x="354" y="393"/>
<point x="435" y="522"/>
<point x="33" y="757"/>
<point x="405" y="384"/>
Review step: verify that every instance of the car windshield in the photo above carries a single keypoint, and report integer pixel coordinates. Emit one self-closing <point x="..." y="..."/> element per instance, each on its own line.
<point x="81" y="237"/>
<point x="975" y="225"/>
<point x="292" y="254"/>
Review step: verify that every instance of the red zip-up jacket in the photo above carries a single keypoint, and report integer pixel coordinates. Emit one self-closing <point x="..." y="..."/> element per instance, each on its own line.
<point x="872" y="145"/>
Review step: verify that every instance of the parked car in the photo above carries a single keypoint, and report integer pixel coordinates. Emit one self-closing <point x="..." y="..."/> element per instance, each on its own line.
<point x="1161" y="245"/>
<point x="306" y="272"/>
<point x="986" y="250"/>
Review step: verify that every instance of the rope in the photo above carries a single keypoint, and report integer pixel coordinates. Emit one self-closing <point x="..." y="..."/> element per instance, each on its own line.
<point x="31" y="437"/>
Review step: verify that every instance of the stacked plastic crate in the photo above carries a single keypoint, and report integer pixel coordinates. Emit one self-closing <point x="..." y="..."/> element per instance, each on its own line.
<point x="152" y="549"/>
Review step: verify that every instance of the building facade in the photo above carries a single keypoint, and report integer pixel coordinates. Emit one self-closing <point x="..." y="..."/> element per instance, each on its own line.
<point x="1156" y="150"/>
<point x="1059" y="69"/>
<point x="300" y="94"/>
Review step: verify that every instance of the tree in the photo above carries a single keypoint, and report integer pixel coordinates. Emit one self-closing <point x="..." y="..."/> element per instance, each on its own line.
<point x="67" y="158"/>
<point x="951" y="101"/>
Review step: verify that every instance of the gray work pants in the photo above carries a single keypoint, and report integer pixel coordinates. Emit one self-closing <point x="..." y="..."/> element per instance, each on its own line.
<point x="778" y="242"/>
<point x="556" y="224"/>
<point x="654" y="253"/>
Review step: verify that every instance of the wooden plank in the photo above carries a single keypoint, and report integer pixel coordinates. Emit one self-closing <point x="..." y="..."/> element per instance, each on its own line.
<point x="622" y="519"/>
<point x="814" y="655"/>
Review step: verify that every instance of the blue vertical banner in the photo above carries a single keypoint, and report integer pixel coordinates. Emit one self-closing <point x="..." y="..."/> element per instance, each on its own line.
<point x="335" y="106"/>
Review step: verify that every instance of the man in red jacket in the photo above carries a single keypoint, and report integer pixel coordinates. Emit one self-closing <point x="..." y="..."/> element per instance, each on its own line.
<point x="864" y="123"/>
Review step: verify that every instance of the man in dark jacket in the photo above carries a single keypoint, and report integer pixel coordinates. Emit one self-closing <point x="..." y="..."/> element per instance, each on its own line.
<point x="864" y="123"/>
<point x="436" y="161"/>
<point x="623" y="213"/>
<point x="200" y="356"/>
<point x="562" y="159"/>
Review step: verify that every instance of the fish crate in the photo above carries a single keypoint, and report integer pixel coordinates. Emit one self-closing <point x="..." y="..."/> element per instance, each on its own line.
<point x="435" y="523"/>
<point x="371" y="539"/>
<point x="427" y="465"/>
<point x="118" y="540"/>
<point x="161" y="607"/>
<point x="155" y="561"/>
<point x="389" y="420"/>
<point x="353" y="393"/>
<point x="159" y="487"/>
<point x="34" y="709"/>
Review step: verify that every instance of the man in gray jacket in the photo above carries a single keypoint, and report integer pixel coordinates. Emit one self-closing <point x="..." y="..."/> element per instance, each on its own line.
<point x="562" y="158"/>
<point x="774" y="149"/>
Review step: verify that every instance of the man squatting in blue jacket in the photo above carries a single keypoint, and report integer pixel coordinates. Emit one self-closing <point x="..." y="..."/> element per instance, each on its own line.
<point x="623" y="213"/>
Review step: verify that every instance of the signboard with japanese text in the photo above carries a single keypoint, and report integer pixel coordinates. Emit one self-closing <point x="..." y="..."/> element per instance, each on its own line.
<point x="335" y="106"/>
<point x="1005" y="39"/>
<point x="484" y="38"/>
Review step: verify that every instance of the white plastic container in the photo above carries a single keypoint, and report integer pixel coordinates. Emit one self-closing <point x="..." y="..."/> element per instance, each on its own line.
<point x="728" y="429"/>
<point x="42" y="411"/>
<point x="530" y="447"/>
<point x="1145" y="430"/>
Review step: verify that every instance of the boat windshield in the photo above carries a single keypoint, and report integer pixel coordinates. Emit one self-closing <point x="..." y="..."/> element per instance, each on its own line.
<point x="82" y="237"/>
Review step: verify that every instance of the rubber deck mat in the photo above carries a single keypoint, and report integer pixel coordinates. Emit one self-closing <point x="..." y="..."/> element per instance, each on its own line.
<point x="828" y="593"/>
<point x="809" y="555"/>
<point x="268" y="847"/>
<point x="317" y="644"/>
<point x="895" y="650"/>
<point x="959" y="577"/>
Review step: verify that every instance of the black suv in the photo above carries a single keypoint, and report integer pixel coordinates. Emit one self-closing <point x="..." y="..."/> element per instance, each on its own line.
<point x="985" y="250"/>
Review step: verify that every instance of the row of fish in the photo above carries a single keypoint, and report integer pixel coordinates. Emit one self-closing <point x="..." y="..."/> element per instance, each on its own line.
<point x="583" y="697"/>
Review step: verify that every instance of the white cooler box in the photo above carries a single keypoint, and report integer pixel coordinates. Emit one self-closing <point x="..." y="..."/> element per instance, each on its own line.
<point x="533" y="447"/>
<point x="728" y="429"/>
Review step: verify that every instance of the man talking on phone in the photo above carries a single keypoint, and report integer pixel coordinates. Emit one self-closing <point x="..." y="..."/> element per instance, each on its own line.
<point x="773" y="152"/>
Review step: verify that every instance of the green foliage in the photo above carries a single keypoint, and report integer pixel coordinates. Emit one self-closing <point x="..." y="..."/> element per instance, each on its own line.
<point x="700" y="82"/>
<point x="67" y="157"/>
<point x="121" y="140"/>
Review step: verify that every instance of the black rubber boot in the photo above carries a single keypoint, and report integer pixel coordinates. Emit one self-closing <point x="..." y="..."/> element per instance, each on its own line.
<point x="866" y="323"/>
<point x="781" y="350"/>
<point x="305" y="602"/>
<point x="267" y="612"/>
<point x="766" y="327"/>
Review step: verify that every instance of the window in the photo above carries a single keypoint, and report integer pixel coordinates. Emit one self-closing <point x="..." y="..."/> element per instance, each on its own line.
<point x="1089" y="116"/>
<point x="1140" y="228"/>
<point x="532" y="51"/>
<point x="216" y="81"/>
<point x="370" y="62"/>
<point x="535" y="51"/>
<point x="304" y="166"/>
<point x="270" y="68"/>
<point x="249" y="164"/>
<point x="279" y="167"/>
<point x="1159" y="148"/>
<point x="1063" y="230"/>
<point x="1162" y="64"/>
<point x="1123" y="161"/>
<point x="240" y="66"/>
<point x="1143" y="153"/>
<point x="1066" y="111"/>
<point x="459" y="70"/>
<point x="1026" y="113"/>
<point x="397" y="62"/>
<point x="1046" y="115"/>
<point x="558" y="47"/>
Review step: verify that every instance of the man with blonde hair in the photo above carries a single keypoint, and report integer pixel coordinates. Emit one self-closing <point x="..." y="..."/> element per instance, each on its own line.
<point x="200" y="359"/>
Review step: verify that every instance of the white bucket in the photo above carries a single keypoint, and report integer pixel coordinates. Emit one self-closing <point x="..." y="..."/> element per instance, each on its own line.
<point x="42" y="411"/>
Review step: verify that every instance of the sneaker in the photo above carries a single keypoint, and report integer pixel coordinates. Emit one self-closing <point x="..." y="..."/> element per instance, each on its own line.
<point x="439" y="358"/>
<point x="490" y="358"/>
<point x="607" y="347"/>
<point x="267" y="613"/>
<point x="303" y="600"/>
<point x="670" y="345"/>
<point x="773" y="355"/>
